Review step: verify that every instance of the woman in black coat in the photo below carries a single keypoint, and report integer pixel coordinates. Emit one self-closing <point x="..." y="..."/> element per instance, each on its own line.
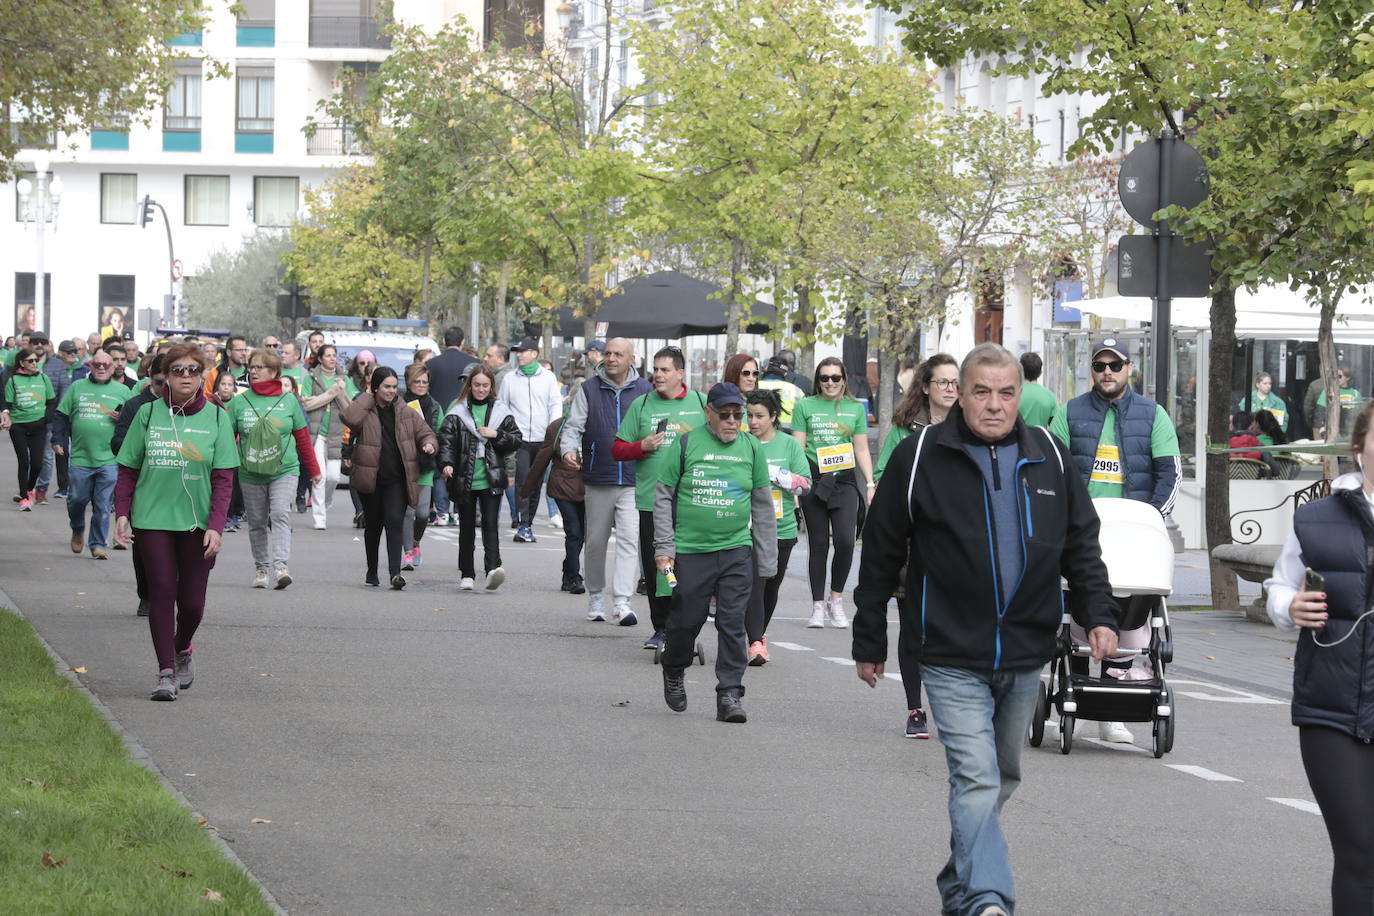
<point x="474" y="439"/>
<point x="1323" y="586"/>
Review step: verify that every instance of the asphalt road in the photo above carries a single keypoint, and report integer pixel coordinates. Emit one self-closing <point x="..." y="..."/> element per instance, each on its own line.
<point x="436" y="752"/>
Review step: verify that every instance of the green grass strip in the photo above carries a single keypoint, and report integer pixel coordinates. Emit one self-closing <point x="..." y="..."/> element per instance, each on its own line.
<point x="83" y="828"/>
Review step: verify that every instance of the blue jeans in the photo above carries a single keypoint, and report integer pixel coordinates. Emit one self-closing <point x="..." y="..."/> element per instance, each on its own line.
<point x="93" y="486"/>
<point x="981" y="717"/>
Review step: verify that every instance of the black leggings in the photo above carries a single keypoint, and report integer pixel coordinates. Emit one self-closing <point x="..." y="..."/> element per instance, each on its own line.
<point x="384" y="509"/>
<point x="1340" y="769"/>
<point x="30" y="440"/>
<point x="764" y="596"/>
<point x="466" y="503"/>
<point x="834" y="523"/>
<point x="658" y="607"/>
<point x="909" y="667"/>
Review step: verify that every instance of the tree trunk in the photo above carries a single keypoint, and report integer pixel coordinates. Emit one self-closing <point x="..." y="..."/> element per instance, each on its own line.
<point x="424" y="281"/>
<point x="887" y="368"/>
<point x="500" y="333"/>
<point x="1326" y="354"/>
<point x="734" y="311"/>
<point x="1217" y="482"/>
<point x="805" y="320"/>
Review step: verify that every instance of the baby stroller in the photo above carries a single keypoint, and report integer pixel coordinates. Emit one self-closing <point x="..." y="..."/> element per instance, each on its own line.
<point x="1140" y="565"/>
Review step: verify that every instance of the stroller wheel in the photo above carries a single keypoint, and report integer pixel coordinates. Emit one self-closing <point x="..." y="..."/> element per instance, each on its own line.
<point x="701" y="654"/>
<point x="1042" y="713"/>
<point x="1163" y="735"/>
<point x="1065" y="734"/>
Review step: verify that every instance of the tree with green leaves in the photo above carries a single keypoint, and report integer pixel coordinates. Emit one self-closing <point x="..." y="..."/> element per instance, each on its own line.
<point x="237" y="288"/>
<point x="80" y="64"/>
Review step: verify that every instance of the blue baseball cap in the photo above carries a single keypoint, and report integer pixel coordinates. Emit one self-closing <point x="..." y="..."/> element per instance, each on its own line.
<point x="723" y="393"/>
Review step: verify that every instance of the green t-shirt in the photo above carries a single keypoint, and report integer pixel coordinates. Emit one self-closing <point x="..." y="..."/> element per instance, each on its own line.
<point x="481" y="474"/>
<point x="714" y="495"/>
<point x="1349" y="397"/>
<point x="782" y="451"/>
<point x="683" y="414"/>
<point x="283" y="411"/>
<point x="1037" y="404"/>
<point x="28" y="396"/>
<point x="93" y="410"/>
<point x="894" y="436"/>
<point x="830" y="428"/>
<point x="1108" y="474"/>
<point x="1270" y="402"/>
<point x="174" y="457"/>
<point x="301" y="376"/>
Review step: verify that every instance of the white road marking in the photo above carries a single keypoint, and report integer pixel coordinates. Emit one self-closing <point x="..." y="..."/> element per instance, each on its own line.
<point x="1111" y="745"/>
<point x="1236" y="696"/>
<point x="838" y="661"/>
<point x="789" y="645"/>
<point x="1202" y="773"/>
<point x="1301" y="804"/>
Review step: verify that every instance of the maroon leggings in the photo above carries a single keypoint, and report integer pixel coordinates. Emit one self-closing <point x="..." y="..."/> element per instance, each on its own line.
<point x="178" y="574"/>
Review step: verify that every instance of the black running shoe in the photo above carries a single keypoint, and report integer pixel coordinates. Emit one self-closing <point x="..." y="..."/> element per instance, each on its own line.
<point x="674" y="690"/>
<point x="657" y="640"/>
<point x="398" y="582"/>
<point x="729" y="708"/>
<point x="916" y="726"/>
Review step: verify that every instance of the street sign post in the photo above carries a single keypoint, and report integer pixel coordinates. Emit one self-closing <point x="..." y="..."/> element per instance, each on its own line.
<point x="1162" y="173"/>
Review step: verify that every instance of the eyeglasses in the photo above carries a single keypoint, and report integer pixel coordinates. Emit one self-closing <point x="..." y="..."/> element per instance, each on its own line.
<point x="831" y="378"/>
<point x="947" y="384"/>
<point x="29" y="359"/>
<point x="730" y="414"/>
<point x="257" y="368"/>
<point x="108" y="364"/>
<point x="1115" y="365"/>
<point x="186" y="370"/>
<point x="749" y="372"/>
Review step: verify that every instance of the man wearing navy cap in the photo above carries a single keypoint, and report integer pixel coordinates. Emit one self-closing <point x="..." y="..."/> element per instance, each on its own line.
<point x="1123" y="445"/>
<point x="708" y="492"/>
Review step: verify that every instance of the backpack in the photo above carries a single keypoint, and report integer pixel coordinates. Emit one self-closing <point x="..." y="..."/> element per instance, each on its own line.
<point x="264" y="449"/>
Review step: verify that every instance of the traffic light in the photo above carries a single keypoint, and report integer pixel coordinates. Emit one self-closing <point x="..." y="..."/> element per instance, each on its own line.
<point x="145" y="215"/>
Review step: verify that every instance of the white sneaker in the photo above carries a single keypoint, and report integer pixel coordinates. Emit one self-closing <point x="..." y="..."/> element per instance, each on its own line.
<point x="466" y="584"/>
<point x="596" y="607"/>
<point x="992" y="910"/>
<point x="494" y="579"/>
<point x="620" y="611"/>
<point x="838" y="620"/>
<point x="817" y="615"/>
<point x="557" y="522"/>
<point x="1114" y="732"/>
<point x="260" y="580"/>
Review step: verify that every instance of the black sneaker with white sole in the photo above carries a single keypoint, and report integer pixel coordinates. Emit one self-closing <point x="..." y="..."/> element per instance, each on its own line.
<point x="674" y="690"/>
<point x="916" y="726"/>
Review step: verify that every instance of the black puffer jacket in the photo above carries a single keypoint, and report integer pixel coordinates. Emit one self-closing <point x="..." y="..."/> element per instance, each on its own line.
<point x="1333" y="685"/>
<point x="953" y="606"/>
<point x="459" y="441"/>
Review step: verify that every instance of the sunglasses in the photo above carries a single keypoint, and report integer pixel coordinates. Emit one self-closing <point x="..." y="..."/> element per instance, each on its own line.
<point x="29" y="360"/>
<point x="730" y="414"/>
<point x="1115" y="365"/>
<point x="831" y="378"/>
<point x="108" y="364"/>
<point x="749" y="372"/>
<point x="185" y="370"/>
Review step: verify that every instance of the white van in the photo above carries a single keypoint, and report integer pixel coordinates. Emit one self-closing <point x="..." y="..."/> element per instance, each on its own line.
<point x="393" y="341"/>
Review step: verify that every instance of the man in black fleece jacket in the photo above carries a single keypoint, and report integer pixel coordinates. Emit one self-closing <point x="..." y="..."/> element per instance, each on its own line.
<point x="987" y="514"/>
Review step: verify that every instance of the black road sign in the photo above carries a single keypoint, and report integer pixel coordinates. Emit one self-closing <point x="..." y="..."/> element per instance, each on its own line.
<point x="1138" y="181"/>
<point x="1137" y="260"/>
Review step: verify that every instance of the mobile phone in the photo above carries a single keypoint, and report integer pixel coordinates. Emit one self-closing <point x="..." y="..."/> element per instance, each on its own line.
<point x="662" y="425"/>
<point x="1314" y="582"/>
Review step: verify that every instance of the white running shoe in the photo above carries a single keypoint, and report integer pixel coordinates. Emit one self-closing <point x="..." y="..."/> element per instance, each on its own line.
<point x="1114" y="732"/>
<point x="835" y="608"/>
<point x="260" y="579"/>
<point x="557" y="522"/>
<point x="596" y="607"/>
<point x="466" y="584"/>
<point x="494" y="579"/>
<point x="817" y="615"/>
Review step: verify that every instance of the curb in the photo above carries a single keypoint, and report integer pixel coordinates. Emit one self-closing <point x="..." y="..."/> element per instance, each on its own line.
<point x="139" y="755"/>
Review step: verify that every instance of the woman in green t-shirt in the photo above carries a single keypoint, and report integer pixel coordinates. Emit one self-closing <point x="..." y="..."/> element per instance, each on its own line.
<point x="476" y="436"/>
<point x="417" y="397"/>
<point x="833" y="429"/>
<point x="269" y="486"/>
<point x="27" y="400"/>
<point x="789" y="475"/>
<point x="176" y="474"/>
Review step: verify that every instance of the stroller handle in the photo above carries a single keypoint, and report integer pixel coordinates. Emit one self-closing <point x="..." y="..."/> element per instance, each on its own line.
<point x="1118" y="654"/>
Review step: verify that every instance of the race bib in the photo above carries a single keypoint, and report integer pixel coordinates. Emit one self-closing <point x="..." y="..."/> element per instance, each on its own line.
<point x="835" y="457"/>
<point x="777" y="503"/>
<point x="1107" y="466"/>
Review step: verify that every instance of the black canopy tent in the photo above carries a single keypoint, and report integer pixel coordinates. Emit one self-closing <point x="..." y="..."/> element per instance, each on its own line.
<point x="667" y="305"/>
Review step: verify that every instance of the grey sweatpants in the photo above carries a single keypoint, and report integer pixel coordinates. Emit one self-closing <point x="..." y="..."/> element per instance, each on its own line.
<point x="267" y="504"/>
<point x="607" y="507"/>
<point x="729" y="575"/>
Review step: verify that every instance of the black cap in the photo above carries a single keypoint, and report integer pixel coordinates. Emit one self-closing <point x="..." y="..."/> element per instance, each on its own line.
<point x="65" y="346"/>
<point x="526" y="343"/>
<point x="1113" y="345"/>
<point x="723" y="393"/>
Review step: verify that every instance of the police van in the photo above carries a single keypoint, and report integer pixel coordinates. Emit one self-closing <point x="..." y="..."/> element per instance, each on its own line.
<point x="394" y="341"/>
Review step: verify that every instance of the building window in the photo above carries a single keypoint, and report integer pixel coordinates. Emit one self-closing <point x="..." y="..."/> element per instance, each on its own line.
<point x="520" y="23"/>
<point x="275" y="201"/>
<point x="255" y="99"/>
<point x="116" y="301"/>
<point x="257" y="23"/>
<point x="118" y="198"/>
<point x="24" y="311"/>
<point x="207" y="200"/>
<point x="183" y="99"/>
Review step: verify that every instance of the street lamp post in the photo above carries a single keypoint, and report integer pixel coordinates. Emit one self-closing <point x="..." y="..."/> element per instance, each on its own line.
<point x="39" y="199"/>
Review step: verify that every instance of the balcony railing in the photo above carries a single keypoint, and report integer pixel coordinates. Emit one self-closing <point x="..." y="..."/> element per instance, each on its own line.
<point x="347" y="32"/>
<point x="334" y="140"/>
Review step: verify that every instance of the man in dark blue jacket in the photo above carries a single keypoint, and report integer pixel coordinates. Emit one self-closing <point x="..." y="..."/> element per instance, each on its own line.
<point x="986" y="513"/>
<point x="597" y="408"/>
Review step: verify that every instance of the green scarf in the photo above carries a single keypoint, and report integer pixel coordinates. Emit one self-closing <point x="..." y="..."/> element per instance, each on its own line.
<point x="530" y="370"/>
